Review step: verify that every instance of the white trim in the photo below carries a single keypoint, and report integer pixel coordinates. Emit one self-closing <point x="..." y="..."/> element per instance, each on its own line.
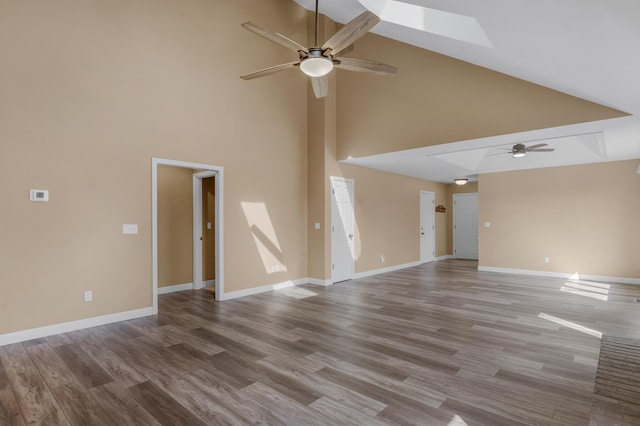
<point x="385" y="270"/>
<point x="208" y="283"/>
<point x="65" y="327"/>
<point x="219" y="222"/>
<point x="264" y="288"/>
<point x="619" y="280"/>
<point x="316" y="281"/>
<point x="175" y="288"/>
<point x="445" y="257"/>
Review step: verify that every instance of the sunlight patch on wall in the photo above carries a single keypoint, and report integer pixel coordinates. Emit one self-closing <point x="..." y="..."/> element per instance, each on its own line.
<point x="264" y="235"/>
<point x="571" y="325"/>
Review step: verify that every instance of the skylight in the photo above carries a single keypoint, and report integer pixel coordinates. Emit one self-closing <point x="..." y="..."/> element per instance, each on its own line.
<point x="434" y="21"/>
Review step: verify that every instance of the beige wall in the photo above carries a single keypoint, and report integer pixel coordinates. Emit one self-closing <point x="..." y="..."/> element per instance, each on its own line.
<point x="387" y="213"/>
<point x="436" y="99"/>
<point x="175" y="226"/>
<point x="584" y="218"/>
<point x="91" y="91"/>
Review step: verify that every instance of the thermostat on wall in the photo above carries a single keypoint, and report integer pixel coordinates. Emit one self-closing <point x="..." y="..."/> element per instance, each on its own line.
<point x="39" y="195"/>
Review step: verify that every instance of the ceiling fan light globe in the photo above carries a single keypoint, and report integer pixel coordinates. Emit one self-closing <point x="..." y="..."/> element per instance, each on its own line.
<point x="460" y="181"/>
<point x="519" y="154"/>
<point x="316" y="67"/>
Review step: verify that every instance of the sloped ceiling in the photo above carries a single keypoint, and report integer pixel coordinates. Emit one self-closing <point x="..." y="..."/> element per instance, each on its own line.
<point x="587" y="49"/>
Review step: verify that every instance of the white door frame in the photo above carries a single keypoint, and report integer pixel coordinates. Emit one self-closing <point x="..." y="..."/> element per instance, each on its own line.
<point x="424" y="257"/>
<point x="218" y="172"/>
<point x="197" y="227"/>
<point x="352" y="182"/>
<point x="453" y="214"/>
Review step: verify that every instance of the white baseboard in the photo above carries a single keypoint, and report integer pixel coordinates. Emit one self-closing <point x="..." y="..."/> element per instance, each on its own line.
<point x="384" y="270"/>
<point x="65" y="327"/>
<point x="316" y="281"/>
<point x="619" y="280"/>
<point x="445" y="257"/>
<point x="208" y="283"/>
<point x="174" y="288"/>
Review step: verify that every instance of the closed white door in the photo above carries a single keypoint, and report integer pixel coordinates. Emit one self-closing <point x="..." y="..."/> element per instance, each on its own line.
<point x="342" y="229"/>
<point x="427" y="227"/>
<point x="465" y="226"/>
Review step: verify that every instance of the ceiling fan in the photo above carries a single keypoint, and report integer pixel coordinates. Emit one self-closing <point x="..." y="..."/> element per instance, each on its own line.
<point x="520" y="150"/>
<point x="318" y="61"/>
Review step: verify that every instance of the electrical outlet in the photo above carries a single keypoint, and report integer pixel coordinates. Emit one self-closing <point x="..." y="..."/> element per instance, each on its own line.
<point x="88" y="296"/>
<point x="547" y="260"/>
<point x="381" y="258"/>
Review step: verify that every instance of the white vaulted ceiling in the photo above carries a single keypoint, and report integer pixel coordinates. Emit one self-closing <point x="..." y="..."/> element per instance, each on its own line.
<point x="585" y="48"/>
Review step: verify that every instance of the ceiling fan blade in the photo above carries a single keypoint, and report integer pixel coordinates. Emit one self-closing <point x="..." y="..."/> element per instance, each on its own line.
<point x="351" y="32"/>
<point x="274" y="37"/>
<point x="363" y="65"/>
<point x="320" y="86"/>
<point x="270" y="70"/>
<point x="541" y="150"/>
<point x="532" y="147"/>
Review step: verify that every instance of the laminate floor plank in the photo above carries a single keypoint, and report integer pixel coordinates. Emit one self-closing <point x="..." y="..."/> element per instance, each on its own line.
<point x="255" y="372"/>
<point x="80" y="406"/>
<point x="233" y="406"/>
<point x="9" y="410"/>
<point x="121" y="407"/>
<point x="52" y="369"/>
<point x="82" y="365"/>
<point x="35" y="401"/>
<point x="287" y="410"/>
<point x="435" y="344"/>
<point x="162" y="406"/>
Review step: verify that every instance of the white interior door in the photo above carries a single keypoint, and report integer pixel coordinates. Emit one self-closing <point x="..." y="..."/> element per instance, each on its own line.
<point x="427" y="227"/>
<point x="342" y="229"/>
<point x="465" y="226"/>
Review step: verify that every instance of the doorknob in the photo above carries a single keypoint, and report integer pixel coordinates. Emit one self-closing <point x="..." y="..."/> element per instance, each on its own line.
<point x="422" y="233"/>
<point x="351" y="236"/>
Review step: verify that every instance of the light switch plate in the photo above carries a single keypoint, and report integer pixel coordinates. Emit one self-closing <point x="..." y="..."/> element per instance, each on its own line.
<point x="317" y="225"/>
<point x="209" y="225"/>
<point x="487" y="224"/>
<point x="130" y="228"/>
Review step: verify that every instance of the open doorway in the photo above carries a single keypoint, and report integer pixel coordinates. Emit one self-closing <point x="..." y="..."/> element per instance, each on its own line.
<point x="215" y="186"/>
<point x="204" y="230"/>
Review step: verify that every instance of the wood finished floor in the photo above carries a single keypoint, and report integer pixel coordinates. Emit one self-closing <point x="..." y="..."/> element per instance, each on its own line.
<point x="437" y="344"/>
